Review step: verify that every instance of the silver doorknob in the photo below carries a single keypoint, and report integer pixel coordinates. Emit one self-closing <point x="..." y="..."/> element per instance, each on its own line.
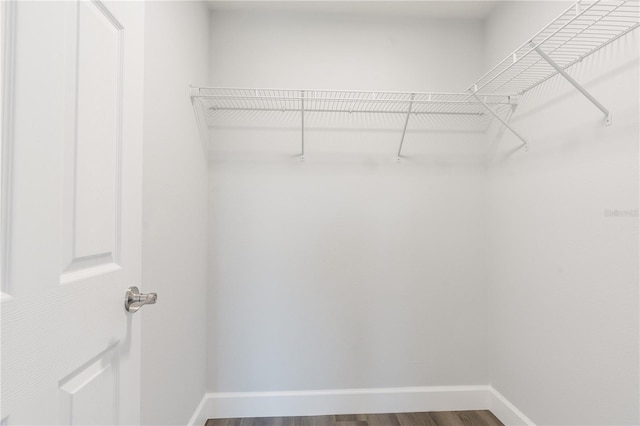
<point x="134" y="300"/>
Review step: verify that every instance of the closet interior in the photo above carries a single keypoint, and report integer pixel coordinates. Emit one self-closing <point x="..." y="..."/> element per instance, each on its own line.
<point x="448" y="229"/>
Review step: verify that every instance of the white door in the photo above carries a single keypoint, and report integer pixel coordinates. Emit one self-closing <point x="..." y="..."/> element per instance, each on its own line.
<point x="71" y="167"/>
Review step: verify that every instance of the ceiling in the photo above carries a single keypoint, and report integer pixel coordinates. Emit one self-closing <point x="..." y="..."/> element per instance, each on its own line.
<point x="457" y="9"/>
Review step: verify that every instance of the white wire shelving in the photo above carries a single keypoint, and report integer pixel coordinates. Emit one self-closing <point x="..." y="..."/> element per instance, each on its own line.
<point x="581" y="30"/>
<point x="211" y="102"/>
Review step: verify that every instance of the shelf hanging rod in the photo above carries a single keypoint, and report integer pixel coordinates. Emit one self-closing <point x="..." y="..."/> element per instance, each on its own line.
<point x="349" y="111"/>
<point x="372" y="94"/>
<point x="575" y="84"/>
<point x="362" y="100"/>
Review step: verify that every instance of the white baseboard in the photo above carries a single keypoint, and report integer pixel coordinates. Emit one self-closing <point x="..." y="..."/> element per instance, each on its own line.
<point x="506" y="411"/>
<point x="200" y="416"/>
<point x="353" y="401"/>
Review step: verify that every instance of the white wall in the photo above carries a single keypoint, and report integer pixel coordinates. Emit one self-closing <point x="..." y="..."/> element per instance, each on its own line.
<point x="174" y="214"/>
<point x="563" y="277"/>
<point x="347" y="270"/>
<point x="342" y="51"/>
<point x="511" y="23"/>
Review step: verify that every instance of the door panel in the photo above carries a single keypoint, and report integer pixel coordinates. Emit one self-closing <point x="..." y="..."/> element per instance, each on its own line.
<point x="93" y="143"/>
<point x="97" y="131"/>
<point x="88" y="395"/>
<point x="70" y="352"/>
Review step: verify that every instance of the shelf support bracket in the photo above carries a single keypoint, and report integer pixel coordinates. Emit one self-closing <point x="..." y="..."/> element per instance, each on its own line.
<point x="503" y="121"/>
<point x="406" y="122"/>
<point x="562" y="72"/>
<point x="201" y="119"/>
<point x="302" y="123"/>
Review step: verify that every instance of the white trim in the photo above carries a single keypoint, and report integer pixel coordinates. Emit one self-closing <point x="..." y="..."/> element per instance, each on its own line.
<point x="7" y="104"/>
<point x="508" y="413"/>
<point x="199" y="416"/>
<point x="354" y="401"/>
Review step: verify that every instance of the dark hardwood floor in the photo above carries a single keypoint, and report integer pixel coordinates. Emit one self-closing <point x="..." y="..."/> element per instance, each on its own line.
<point x="439" y="418"/>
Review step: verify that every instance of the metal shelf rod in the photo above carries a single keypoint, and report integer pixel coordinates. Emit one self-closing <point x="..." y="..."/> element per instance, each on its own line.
<point x="360" y="92"/>
<point x="361" y="100"/>
<point x="355" y="111"/>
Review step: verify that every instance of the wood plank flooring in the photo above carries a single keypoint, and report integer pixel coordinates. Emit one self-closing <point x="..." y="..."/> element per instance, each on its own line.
<point x="439" y="418"/>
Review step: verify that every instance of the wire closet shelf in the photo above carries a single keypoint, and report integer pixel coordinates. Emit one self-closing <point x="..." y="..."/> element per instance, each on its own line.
<point x="340" y="101"/>
<point x="581" y="30"/>
<point x="213" y="102"/>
